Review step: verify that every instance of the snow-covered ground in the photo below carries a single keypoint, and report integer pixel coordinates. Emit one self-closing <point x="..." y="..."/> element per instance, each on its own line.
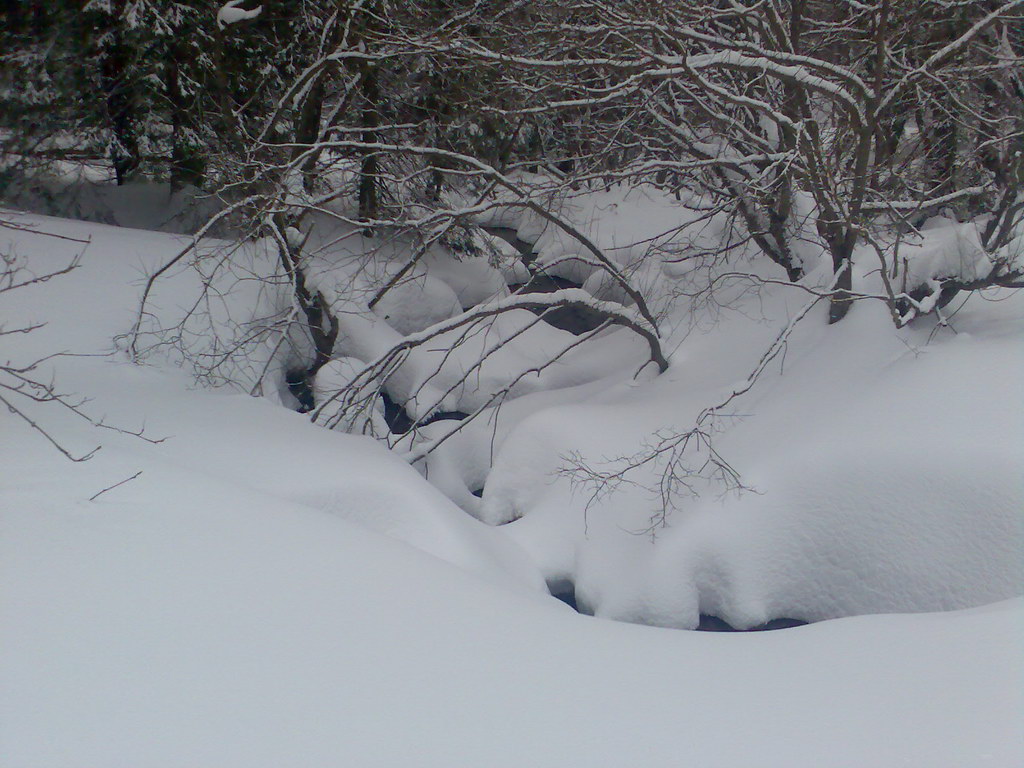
<point x="268" y="592"/>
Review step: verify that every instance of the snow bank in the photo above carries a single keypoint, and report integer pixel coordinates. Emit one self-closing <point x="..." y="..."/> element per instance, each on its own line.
<point x="473" y="279"/>
<point x="261" y="445"/>
<point x="222" y="311"/>
<point x="945" y="249"/>
<point x="884" y="469"/>
<point x="883" y="465"/>
<point x="270" y="593"/>
<point x="190" y="622"/>
<point x="418" y="303"/>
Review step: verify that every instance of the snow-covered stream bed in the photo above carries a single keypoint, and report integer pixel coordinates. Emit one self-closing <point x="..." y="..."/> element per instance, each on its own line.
<point x="271" y="593"/>
<point x="571" y="319"/>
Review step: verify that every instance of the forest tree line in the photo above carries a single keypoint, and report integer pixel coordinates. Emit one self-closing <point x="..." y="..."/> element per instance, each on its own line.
<point x="877" y="110"/>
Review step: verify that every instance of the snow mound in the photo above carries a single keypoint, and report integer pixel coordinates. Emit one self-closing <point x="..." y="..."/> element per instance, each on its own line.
<point x="418" y="303"/>
<point x="257" y="591"/>
<point x="884" y="471"/>
<point x="818" y="544"/>
<point x="328" y="384"/>
<point x="473" y="279"/>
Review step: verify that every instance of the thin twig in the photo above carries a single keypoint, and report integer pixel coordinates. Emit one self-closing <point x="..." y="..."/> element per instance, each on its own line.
<point x="115" y="485"/>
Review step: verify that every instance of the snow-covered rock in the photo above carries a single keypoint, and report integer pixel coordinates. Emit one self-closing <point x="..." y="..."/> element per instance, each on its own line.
<point x="473" y="279"/>
<point x="417" y="303"/>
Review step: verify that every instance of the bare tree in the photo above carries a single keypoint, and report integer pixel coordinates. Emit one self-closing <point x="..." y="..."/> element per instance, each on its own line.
<point x="842" y="124"/>
<point x="756" y="102"/>
<point x="23" y="385"/>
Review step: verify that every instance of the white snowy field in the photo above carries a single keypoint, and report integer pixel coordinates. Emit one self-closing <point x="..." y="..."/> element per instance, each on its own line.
<point x="271" y="593"/>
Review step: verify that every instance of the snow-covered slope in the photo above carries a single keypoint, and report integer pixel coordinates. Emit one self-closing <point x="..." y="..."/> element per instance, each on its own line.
<point x="213" y="626"/>
<point x="271" y="593"/>
<point x="222" y="434"/>
<point x="885" y="475"/>
<point x="882" y="466"/>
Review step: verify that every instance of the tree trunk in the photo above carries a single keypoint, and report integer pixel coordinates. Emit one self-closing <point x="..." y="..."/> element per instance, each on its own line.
<point x="119" y="94"/>
<point x="307" y="129"/>
<point x="187" y="163"/>
<point x="369" y="167"/>
<point x="841" y="241"/>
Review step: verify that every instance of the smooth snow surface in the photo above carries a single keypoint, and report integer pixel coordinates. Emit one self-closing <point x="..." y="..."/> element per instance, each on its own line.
<point x="215" y="628"/>
<point x="270" y="593"/>
<point x="883" y="480"/>
<point x="883" y="466"/>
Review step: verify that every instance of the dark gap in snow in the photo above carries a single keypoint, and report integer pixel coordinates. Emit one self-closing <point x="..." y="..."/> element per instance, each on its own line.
<point x="564" y="590"/>
<point x="543" y="283"/>
<point x="479" y="493"/>
<point x="511" y="237"/>
<point x="297" y="380"/>
<point x="947" y="293"/>
<point x="395" y="415"/>
<point x="399" y="421"/>
<point x="710" y="623"/>
<point x="574" y="320"/>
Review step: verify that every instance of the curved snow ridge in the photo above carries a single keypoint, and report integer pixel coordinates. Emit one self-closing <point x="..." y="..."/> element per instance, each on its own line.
<point x="290" y="639"/>
<point x="409" y="510"/>
<point x="849" y="535"/>
<point x="824" y="538"/>
<point x="886" y="468"/>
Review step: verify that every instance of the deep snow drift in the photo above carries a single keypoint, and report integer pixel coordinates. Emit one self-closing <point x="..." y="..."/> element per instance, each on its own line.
<point x="269" y="592"/>
<point x="882" y="467"/>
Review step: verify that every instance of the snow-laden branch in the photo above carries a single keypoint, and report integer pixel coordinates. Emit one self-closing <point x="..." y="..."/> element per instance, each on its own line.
<point x="230" y="13"/>
<point x="798" y="75"/>
<point x="919" y="205"/>
<point x="523" y="198"/>
<point x="927" y="69"/>
<point x="626" y="24"/>
<point x="572" y="298"/>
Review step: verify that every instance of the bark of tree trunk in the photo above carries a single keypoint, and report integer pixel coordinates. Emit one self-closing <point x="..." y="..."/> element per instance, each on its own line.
<point x="120" y="101"/>
<point x="369" y="166"/>
<point x="187" y="163"/>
